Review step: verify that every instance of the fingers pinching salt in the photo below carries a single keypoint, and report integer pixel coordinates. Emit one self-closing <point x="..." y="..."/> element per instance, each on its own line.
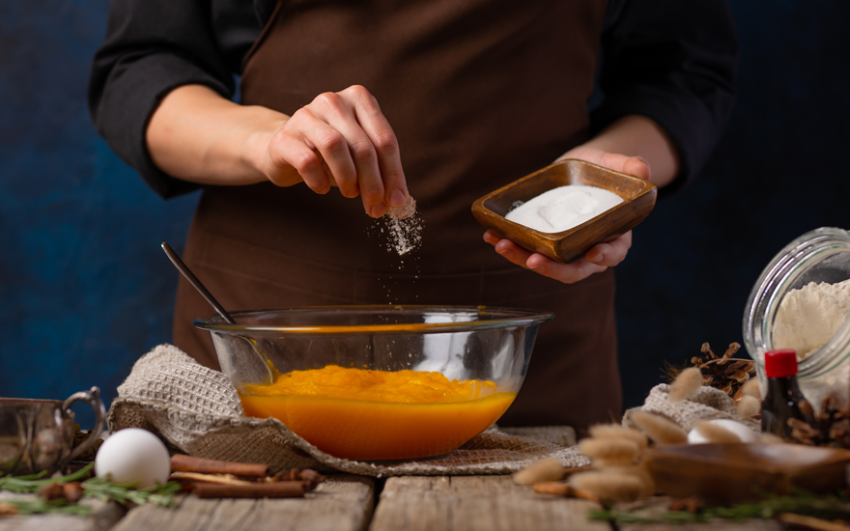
<point x="405" y="210"/>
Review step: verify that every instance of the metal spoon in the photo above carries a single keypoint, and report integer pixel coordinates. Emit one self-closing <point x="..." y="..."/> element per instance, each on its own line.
<point x="193" y="280"/>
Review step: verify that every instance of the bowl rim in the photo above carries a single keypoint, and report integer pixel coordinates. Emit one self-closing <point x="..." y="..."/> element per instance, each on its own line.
<point x="524" y="317"/>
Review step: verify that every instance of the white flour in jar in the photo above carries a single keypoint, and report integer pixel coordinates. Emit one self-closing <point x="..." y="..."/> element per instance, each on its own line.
<point x="563" y="208"/>
<point x="808" y="317"/>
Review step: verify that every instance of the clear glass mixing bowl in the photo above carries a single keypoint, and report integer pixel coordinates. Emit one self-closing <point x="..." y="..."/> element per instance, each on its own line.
<point x="461" y="343"/>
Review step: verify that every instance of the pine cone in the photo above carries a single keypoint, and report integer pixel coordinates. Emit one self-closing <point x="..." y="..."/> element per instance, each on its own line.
<point x="830" y="427"/>
<point x="724" y="372"/>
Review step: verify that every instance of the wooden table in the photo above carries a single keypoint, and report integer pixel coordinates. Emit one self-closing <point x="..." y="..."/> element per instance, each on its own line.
<point x="356" y="503"/>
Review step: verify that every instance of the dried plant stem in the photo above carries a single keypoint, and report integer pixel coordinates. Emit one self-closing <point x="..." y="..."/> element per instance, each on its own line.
<point x="544" y="470"/>
<point x="659" y="429"/>
<point x="575" y="470"/>
<point x="748" y="407"/>
<point x="615" y="431"/>
<point x="686" y="384"/>
<point x="610" y="451"/>
<point x="641" y="472"/>
<point x="751" y="388"/>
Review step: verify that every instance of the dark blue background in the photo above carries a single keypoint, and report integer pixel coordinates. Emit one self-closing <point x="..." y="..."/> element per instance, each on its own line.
<point x="85" y="289"/>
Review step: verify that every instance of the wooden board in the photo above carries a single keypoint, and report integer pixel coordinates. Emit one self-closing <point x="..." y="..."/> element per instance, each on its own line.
<point x="345" y="503"/>
<point x="488" y="503"/>
<point x="720" y="525"/>
<point x="341" y="503"/>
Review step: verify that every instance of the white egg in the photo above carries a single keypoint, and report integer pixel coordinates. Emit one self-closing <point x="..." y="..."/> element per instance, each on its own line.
<point x="745" y="434"/>
<point x="133" y="454"/>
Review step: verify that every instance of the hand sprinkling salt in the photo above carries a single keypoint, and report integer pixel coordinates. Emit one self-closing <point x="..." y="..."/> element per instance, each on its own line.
<point x="407" y="209"/>
<point x="405" y="227"/>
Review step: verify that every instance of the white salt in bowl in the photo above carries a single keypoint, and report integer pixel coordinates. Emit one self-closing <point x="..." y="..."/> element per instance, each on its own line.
<point x="638" y="201"/>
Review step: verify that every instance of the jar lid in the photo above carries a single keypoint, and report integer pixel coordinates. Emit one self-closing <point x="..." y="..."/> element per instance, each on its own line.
<point x="780" y="363"/>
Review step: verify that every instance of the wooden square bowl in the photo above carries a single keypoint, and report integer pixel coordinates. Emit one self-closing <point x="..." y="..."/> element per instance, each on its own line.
<point x="730" y="473"/>
<point x="638" y="201"/>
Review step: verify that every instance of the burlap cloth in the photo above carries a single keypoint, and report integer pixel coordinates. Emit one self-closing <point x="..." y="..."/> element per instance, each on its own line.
<point x="708" y="403"/>
<point x="197" y="411"/>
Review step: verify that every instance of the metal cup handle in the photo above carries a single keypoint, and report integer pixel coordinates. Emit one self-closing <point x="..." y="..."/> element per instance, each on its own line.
<point x="92" y="398"/>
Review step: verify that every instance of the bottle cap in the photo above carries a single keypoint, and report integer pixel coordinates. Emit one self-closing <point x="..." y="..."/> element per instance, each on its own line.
<point x="780" y="363"/>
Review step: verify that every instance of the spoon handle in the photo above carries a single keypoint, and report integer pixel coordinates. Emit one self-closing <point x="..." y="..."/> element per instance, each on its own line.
<point x="193" y="280"/>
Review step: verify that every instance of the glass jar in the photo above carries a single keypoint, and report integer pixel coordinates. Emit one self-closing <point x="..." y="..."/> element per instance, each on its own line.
<point x="822" y="255"/>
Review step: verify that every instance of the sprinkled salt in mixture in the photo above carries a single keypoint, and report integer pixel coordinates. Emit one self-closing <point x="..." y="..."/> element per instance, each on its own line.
<point x="404" y="226"/>
<point x="563" y="208"/>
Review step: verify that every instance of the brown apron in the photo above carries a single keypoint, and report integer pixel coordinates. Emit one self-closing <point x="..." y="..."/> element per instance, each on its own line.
<point x="479" y="93"/>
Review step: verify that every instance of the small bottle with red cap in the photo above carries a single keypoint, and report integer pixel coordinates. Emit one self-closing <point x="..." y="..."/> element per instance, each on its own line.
<point x="784" y="399"/>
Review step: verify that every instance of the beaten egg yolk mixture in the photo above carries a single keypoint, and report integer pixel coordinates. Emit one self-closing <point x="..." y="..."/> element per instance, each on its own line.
<point x="378" y="415"/>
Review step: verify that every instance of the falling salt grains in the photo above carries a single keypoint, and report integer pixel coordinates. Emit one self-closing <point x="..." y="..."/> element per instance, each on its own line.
<point x="404" y="226"/>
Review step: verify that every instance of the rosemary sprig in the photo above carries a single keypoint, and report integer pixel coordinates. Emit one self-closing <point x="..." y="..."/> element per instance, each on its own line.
<point x="95" y="487"/>
<point x="42" y="506"/>
<point x="102" y="489"/>
<point x="799" y="502"/>
<point x="33" y="482"/>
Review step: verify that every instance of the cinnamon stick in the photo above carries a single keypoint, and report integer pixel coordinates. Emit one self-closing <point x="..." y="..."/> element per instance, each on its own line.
<point x="278" y="489"/>
<point x="186" y="463"/>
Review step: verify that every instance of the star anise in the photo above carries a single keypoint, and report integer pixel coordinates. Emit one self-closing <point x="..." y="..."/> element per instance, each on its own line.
<point x="724" y="372"/>
<point x="691" y="505"/>
<point x="310" y="478"/>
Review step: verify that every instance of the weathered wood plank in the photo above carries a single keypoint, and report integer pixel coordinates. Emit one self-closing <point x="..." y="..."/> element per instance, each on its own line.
<point x="720" y="525"/>
<point x="658" y="504"/>
<point x="342" y="503"/>
<point x="488" y="503"/>
<point x="104" y="517"/>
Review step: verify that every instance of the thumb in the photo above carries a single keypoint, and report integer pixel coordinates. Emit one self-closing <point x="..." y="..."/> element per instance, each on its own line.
<point x="637" y="166"/>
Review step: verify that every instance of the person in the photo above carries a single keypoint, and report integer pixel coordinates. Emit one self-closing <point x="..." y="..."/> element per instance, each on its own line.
<point x="442" y="100"/>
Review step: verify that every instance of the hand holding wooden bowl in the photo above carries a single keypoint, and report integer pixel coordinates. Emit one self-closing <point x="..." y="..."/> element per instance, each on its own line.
<point x="565" y="246"/>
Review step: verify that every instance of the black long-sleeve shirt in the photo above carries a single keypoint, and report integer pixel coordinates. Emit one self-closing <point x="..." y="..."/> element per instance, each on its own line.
<point x="669" y="60"/>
